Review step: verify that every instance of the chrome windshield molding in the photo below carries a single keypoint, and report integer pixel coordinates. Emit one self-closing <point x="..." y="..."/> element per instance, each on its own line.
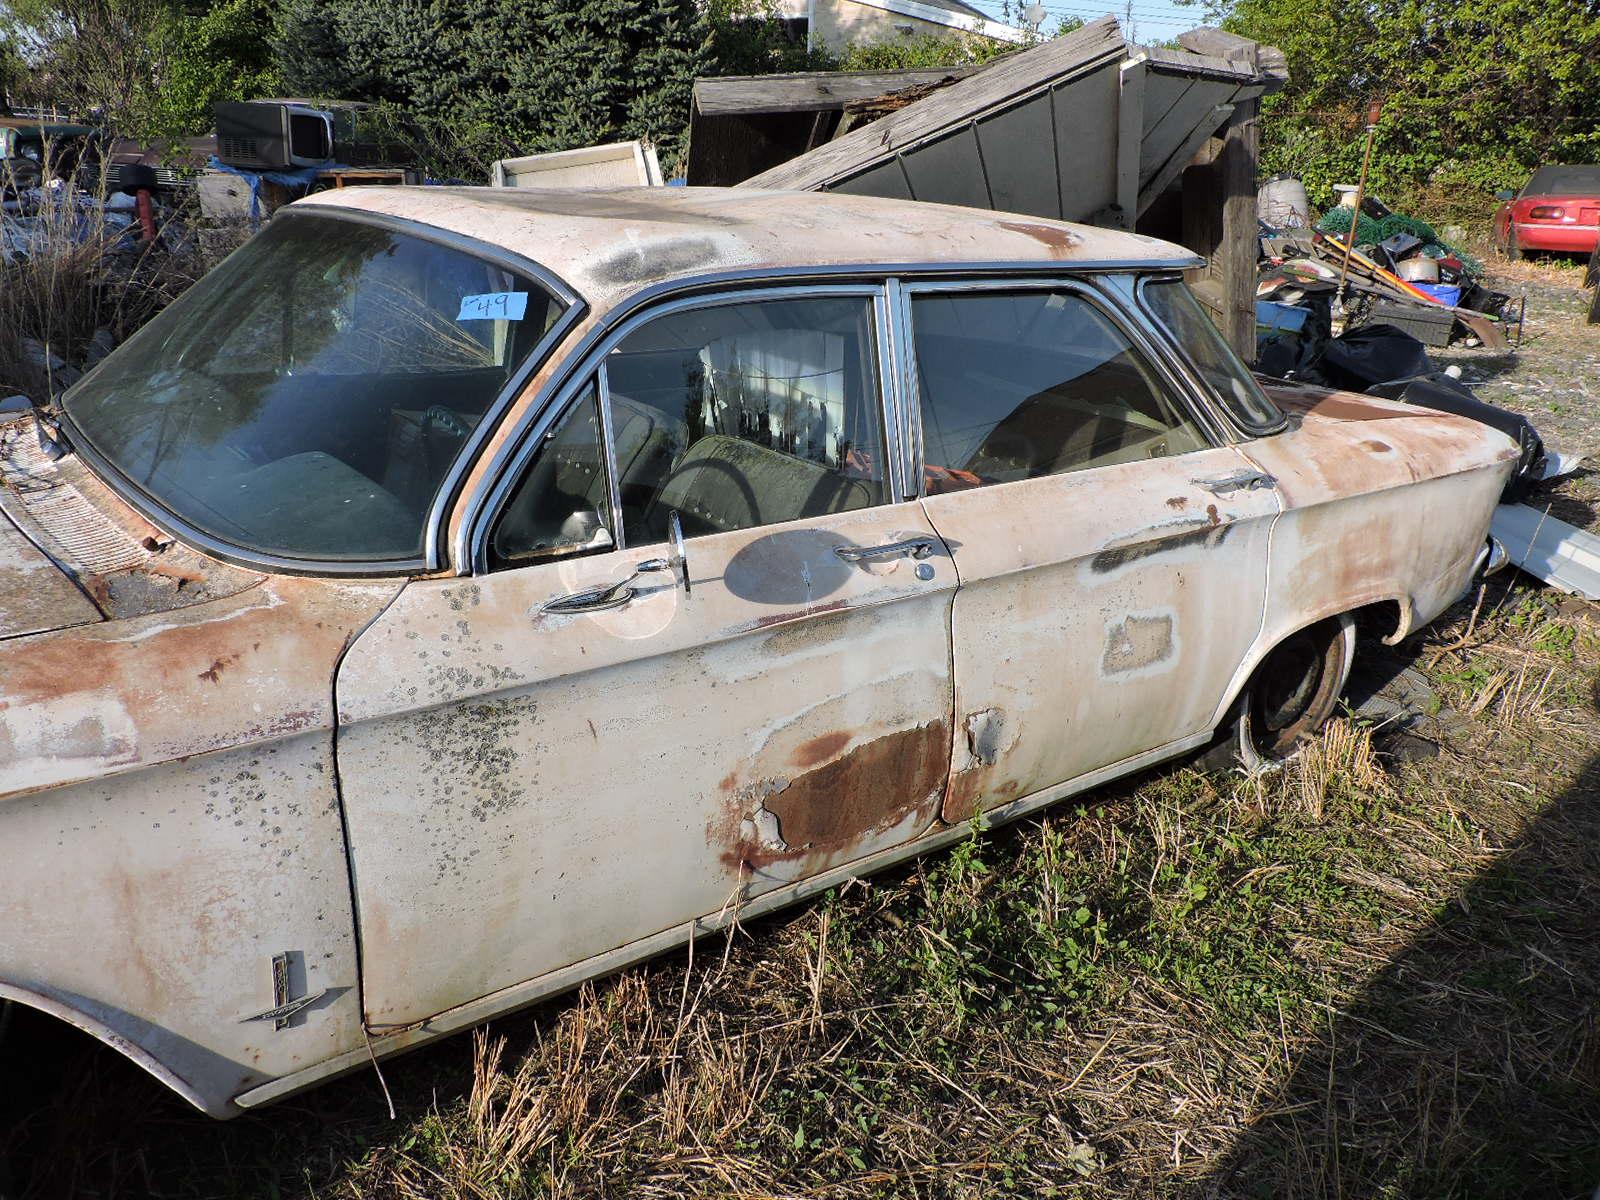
<point x="133" y="496"/>
<point x="1131" y="322"/>
<point x="573" y="308"/>
<point x="524" y="438"/>
<point x="476" y="247"/>
<point x="613" y="484"/>
<point x="1178" y="355"/>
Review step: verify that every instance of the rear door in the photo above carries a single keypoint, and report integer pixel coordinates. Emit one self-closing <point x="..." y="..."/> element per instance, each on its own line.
<point x="536" y="770"/>
<point x="1112" y="554"/>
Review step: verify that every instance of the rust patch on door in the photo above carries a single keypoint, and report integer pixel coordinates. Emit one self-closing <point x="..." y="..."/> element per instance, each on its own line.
<point x="816" y="817"/>
<point x="820" y="749"/>
<point x="1135" y="643"/>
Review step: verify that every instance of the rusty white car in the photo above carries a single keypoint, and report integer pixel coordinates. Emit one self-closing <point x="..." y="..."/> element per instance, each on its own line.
<point x="462" y="593"/>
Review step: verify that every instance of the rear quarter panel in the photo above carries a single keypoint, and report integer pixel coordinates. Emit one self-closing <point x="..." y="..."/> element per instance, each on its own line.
<point x="169" y="822"/>
<point x="1382" y="501"/>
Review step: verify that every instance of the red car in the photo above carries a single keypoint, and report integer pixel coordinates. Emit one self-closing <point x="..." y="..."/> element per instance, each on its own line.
<point x="1558" y="209"/>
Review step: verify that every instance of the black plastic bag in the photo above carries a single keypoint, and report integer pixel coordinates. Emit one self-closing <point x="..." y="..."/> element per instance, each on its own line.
<point x="1371" y="354"/>
<point x="1446" y="394"/>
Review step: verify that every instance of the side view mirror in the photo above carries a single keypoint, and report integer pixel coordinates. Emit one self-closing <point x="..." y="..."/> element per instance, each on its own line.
<point x="1505" y="194"/>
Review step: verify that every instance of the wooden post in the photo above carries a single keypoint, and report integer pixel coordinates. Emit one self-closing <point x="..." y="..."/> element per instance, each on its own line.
<point x="1219" y="221"/>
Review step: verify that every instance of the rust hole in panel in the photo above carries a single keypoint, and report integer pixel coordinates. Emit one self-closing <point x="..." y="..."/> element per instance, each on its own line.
<point x="819" y="814"/>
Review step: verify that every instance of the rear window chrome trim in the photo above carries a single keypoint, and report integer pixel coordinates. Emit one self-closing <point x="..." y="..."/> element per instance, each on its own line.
<point x="584" y="363"/>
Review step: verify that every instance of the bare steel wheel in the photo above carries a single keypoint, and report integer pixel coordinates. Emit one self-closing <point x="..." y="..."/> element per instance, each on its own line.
<point x="1292" y="692"/>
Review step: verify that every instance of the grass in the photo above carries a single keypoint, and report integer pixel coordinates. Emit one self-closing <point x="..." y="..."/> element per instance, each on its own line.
<point x="1353" y="978"/>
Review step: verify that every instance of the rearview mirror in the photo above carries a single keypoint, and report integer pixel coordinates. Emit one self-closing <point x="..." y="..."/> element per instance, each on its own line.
<point x="1504" y="194"/>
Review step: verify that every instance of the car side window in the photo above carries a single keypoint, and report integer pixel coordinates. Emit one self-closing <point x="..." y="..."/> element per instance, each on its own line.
<point x="1017" y="385"/>
<point x="746" y="414"/>
<point x="560" y="506"/>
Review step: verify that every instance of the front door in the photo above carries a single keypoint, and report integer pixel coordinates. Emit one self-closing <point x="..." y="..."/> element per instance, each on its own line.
<point x="1112" y="557"/>
<point x="535" y="771"/>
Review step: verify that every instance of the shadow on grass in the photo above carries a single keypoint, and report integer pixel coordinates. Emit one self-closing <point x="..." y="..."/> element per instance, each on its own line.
<point x="77" y="1119"/>
<point x="1470" y="1065"/>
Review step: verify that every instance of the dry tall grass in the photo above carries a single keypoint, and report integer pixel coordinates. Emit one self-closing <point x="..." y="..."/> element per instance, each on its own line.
<point x="73" y="272"/>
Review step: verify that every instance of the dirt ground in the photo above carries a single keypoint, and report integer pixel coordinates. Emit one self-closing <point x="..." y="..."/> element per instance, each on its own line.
<point x="1376" y="974"/>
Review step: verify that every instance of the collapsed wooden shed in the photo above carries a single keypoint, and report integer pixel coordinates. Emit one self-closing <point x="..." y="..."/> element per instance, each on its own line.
<point x="1083" y="127"/>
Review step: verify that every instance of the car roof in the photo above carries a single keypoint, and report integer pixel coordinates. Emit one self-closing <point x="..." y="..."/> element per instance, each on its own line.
<point x="609" y="244"/>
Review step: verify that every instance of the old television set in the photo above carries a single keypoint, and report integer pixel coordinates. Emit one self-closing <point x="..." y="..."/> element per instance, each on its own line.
<point x="273" y="135"/>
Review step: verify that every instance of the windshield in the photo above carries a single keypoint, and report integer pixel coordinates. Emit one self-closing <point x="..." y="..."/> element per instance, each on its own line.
<point x="1174" y="305"/>
<point x="306" y="398"/>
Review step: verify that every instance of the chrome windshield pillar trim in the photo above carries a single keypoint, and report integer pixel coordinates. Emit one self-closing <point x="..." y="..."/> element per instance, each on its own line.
<point x="524" y="438"/>
<point x="572" y="309"/>
<point x="432" y="559"/>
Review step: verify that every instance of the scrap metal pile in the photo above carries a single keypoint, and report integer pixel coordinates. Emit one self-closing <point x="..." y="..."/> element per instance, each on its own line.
<point x="1366" y="267"/>
<point x="1358" y="313"/>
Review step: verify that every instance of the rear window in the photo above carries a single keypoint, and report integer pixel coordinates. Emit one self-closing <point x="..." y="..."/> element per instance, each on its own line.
<point x="307" y="398"/>
<point x="1564" y="181"/>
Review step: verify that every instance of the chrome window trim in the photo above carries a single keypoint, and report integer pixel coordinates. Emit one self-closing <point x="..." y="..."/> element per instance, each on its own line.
<point x="613" y="485"/>
<point x="908" y="409"/>
<point x="216" y="547"/>
<point x="1103" y="301"/>
<point x="1168" y="340"/>
<point x="525" y="437"/>
<point x="894" y="448"/>
<point x="431" y="559"/>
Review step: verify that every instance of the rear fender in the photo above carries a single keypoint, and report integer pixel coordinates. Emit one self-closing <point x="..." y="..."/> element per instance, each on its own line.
<point x="75" y="1014"/>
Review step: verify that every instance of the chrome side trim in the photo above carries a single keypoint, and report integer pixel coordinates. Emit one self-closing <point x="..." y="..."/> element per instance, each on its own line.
<point x="526" y="435"/>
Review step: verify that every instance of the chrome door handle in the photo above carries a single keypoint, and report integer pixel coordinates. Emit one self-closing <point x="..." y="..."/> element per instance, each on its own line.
<point x="1239" y="481"/>
<point x="607" y="596"/>
<point x="917" y="547"/>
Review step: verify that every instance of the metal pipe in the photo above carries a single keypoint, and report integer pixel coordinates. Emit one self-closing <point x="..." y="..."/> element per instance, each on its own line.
<point x="1373" y="112"/>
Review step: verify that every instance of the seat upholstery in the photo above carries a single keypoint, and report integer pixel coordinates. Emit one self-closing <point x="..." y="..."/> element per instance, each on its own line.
<point x="725" y="483"/>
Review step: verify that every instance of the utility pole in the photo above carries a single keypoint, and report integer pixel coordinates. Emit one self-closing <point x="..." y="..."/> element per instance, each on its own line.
<point x="1127" y="21"/>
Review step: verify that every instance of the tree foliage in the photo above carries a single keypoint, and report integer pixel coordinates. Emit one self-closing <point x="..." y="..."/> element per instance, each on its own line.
<point x="140" y="67"/>
<point x="477" y="80"/>
<point x="1475" y="93"/>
